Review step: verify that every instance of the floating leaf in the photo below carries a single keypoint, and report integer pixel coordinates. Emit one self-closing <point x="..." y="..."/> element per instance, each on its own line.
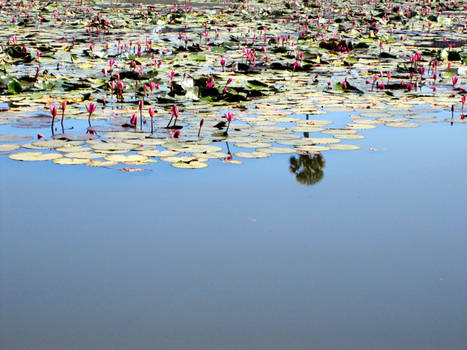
<point x="14" y="87"/>
<point x="14" y="138"/>
<point x="101" y="163"/>
<point x="8" y="147"/>
<point x="34" y="156"/>
<point x="252" y="154"/>
<point x="70" y="161"/>
<point x="403" y="125"/>
<point x="344" y="147"/>
<point x="122" y="158"/>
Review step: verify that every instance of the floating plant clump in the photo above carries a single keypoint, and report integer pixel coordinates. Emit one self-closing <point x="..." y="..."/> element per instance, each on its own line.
<point x="133" y="83"/>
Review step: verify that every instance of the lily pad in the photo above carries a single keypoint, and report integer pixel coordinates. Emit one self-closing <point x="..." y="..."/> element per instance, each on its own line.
<point x="34" y="156"/>
<point x="8" y="147"/>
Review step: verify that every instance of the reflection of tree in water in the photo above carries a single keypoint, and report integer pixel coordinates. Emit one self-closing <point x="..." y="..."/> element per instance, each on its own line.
<point x="307" y="168"/>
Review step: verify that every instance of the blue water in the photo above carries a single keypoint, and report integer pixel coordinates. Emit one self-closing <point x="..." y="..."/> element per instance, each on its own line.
<point x="373" y="256"/>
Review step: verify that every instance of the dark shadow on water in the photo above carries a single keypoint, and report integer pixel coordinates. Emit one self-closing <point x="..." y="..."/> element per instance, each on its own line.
<point x="307" y="168"/>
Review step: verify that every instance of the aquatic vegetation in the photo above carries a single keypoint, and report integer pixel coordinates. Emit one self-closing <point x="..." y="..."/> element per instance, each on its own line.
<point x="272" y="65"/>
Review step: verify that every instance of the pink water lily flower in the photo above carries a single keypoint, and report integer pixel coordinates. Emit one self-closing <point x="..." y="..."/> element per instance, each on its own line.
<point x="53" y="110"/>
<point x="151" y="112"/>
<point x="229" y="116"/>
<point x="133" y="119"/>
<point x="91" y="109"/>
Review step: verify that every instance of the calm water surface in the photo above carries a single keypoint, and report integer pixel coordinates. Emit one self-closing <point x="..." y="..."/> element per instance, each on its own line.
<point x="373" y="256"/>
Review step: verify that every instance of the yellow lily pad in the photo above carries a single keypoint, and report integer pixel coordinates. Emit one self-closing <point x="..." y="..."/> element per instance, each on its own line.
<point x="70" y="161"/>
<point x="46" y="144"/>
<point x="349" y="137"/>
<point x="34" y="156"/>
<point x="123" y="158"/>
<point x="6" y="147"/>
<point x="256" y="154"/>
<point x="344" y="147"/>
<point x="313" y="148"/>
<point x="403" y="125"/>
<point x="190" y="165"/>
<point x="101" y="163"/>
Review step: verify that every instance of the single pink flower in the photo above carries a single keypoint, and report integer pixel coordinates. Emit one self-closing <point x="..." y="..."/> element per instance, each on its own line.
<point x="53" y="111"/>
<point x="151" y="112"/>
<point x="174" y="111"/>
<point x="133" y="119"/>
<point x="91" y="108"/>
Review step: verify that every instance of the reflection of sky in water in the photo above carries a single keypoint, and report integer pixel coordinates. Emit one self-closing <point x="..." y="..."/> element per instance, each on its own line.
<point x="241" y="257"/>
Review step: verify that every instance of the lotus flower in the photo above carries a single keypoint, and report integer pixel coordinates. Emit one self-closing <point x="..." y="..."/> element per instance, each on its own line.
<point x="175" y="113"/>
<point x="229" y="116"/>
<point x="91" y="109"/>
<point x="53" y="112"/>
<point x="463" y="102"/>
<point x="175" y="134"/>
<point x="151" y="114"/>
<point x="133" y="119"/>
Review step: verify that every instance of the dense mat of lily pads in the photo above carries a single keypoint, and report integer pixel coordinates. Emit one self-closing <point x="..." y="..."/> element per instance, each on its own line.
<point x="103" y="83"/>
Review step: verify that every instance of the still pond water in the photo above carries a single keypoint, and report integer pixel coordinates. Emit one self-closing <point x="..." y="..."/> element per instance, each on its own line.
<point x="373" y="256"/>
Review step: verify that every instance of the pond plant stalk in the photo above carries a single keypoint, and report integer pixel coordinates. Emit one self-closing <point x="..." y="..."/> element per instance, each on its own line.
<point x="201" y="123"/>
<point x="462" y="107"/>
<point x="63" y="114"/>
<point x="140" y="106"/>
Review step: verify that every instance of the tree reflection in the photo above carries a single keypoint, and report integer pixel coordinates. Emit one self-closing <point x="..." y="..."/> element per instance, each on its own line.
<point x="307" y="168"/>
